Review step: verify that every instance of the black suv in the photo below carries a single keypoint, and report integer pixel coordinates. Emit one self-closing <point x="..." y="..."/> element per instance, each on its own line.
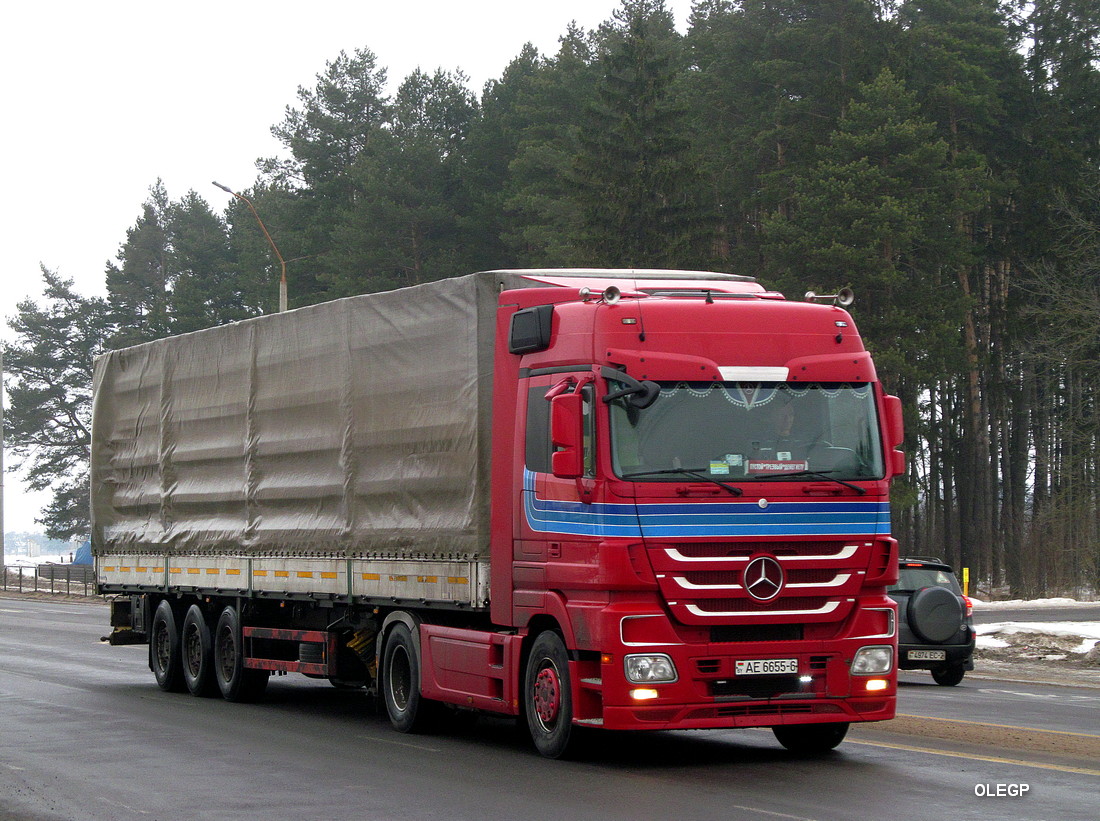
<point x="936" y="631"/>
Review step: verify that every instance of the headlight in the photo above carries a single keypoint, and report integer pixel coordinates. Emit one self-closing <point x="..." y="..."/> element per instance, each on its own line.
<point x="648" y="668"/>
<point x="870" y="661"/>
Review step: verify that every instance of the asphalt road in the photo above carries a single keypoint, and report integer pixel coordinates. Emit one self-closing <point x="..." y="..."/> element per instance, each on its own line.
<point x="86" y="734"/>
<point x="1040" y="613"/>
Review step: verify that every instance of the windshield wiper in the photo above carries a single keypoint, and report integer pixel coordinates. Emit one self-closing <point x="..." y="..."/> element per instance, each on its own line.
<point x="821" y="474"/>
<point x="695" y="473"/>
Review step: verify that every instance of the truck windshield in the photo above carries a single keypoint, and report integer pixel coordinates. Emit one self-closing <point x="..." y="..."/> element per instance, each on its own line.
<point x="737" y="431"/>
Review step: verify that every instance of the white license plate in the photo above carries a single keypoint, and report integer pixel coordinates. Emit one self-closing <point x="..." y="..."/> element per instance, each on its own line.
<point x="927" y="655"/>
<point x="766" y="667"/>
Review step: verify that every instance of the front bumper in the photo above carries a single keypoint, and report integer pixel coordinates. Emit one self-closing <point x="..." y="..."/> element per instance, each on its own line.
<point x="709" y="692"/>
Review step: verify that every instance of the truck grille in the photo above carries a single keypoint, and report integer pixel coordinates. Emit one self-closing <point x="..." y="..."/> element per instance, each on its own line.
<point x="704" y="582"/>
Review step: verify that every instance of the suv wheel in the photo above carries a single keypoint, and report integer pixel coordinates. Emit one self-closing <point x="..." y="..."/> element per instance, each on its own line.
<point x="948" y="676"/>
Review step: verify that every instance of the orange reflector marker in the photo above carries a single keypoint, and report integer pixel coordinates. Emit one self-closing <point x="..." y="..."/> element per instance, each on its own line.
<point x="606" y="658"/>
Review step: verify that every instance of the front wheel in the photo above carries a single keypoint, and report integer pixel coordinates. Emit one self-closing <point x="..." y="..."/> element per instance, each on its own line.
<point x="948" y="676"/>
<point x="811" y="738"/>
<point x="408" y="711"/>
<point x="548" y="697"/>
<point x="236" y="682"/>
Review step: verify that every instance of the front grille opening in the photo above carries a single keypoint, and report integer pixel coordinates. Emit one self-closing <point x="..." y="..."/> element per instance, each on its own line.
<point x="722" y="550"/>
<point x="749" y="606"/>
<point x="733" y="577"/>
<point x="757" y="686"/>
<point x="756" y="632"/>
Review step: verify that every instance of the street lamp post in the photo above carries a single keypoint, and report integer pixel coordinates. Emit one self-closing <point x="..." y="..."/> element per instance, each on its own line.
<point x="2" y="570"/>
<point x="274" y="247"/>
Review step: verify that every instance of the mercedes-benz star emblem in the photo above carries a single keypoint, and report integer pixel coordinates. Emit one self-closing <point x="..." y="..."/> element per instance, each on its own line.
<point x="763" y="578"/>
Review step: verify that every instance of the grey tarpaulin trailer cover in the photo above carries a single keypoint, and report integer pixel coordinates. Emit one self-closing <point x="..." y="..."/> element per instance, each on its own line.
<point x="328" y="448"/>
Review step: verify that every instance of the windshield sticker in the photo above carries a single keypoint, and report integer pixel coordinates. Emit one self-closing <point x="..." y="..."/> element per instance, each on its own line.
<point x="777" y="465"/>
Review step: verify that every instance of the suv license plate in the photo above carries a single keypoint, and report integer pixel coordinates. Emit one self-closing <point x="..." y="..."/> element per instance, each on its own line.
<point x="766" y="667"/>
<point x="928" y="655"/>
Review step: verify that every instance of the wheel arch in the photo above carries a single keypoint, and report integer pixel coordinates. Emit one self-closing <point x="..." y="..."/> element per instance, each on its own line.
<point x="412" y="622"/>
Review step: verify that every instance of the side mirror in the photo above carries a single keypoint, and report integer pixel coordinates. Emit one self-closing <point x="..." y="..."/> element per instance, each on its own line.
<point x="895" y="435"/>
<point x="567" y="435"/>
<point x="895" y="427"/>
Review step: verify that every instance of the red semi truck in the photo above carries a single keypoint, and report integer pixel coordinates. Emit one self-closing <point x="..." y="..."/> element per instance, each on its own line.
<point x="632" y="500"/>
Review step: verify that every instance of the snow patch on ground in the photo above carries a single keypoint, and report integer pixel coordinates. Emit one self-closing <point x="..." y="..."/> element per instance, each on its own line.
<point x="1078" y="637"/>
<point x="1016" y="604"/>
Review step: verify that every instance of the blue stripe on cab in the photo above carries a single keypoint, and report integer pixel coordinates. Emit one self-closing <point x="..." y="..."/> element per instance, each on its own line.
<point x="705" y="519"/>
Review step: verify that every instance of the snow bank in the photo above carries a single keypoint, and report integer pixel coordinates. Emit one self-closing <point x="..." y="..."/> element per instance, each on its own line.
<point x="1000" y="635"/>
<point x="1018" y="603"/>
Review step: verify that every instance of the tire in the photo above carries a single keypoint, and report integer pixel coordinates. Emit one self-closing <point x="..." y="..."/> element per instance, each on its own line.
<point x="935" y="614"/>
<point x="164" y="649"/>
<point x="311" y="653"/>
<point x="408" y="711"/>
<point x="236" y="682"/>
<point x="197" y="653"/>
<point x="810" y="739"/>
<point x="948" y="676"/>
<point x="548" y="697"/>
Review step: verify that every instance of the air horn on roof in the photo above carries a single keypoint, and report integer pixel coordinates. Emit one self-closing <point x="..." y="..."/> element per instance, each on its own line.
<point x="844" y="297"/>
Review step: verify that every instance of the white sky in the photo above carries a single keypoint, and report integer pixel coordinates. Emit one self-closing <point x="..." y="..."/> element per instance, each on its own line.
<point x="104" y="98"/>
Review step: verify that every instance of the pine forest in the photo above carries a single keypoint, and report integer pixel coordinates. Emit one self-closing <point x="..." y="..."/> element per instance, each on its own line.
<point x="941" y="158"/>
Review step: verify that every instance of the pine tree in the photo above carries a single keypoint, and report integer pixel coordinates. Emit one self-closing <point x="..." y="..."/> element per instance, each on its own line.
<point x="632" y="176"/>
<point x="138" y="287"/>
<point x="338" y="120"/>
<point x="402" y="228"/>
<point x="542" y="218"/>
<point x="769" y="81"/>
<point x="48" y="419"/>
<point x="207" y="290"/>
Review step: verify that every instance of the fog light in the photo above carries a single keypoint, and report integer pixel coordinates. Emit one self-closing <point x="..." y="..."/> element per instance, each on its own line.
<point x="805" y="679"/>
<point x="651" y="667"/>
<point x="870" y="661"/>
<point x="876" y="684"/>
<point x="643" y="694"/>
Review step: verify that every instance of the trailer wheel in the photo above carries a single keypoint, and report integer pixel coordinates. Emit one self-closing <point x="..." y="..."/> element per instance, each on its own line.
<point x="548" y="697"/>
<point x="810" y="739"/>
<point x="164" y="649"/>
<point x="236" y="682"/>
<point x="408" y="711"/>
<point x="197" y="650"/>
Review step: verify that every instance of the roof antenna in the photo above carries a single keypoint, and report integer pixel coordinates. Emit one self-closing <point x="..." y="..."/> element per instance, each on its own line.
<point x="710" y="299"/>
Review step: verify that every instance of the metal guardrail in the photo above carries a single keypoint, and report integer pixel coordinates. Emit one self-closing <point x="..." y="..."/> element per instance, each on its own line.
<point x="69" y="579"/>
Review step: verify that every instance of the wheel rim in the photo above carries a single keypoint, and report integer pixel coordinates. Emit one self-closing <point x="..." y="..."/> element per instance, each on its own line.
<point x="547" y="694"/>
<point x="227" y="653"/>
<point x="162" y="646"/>
<point x="192" y="650"/>
<point x="400" y="678"/>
